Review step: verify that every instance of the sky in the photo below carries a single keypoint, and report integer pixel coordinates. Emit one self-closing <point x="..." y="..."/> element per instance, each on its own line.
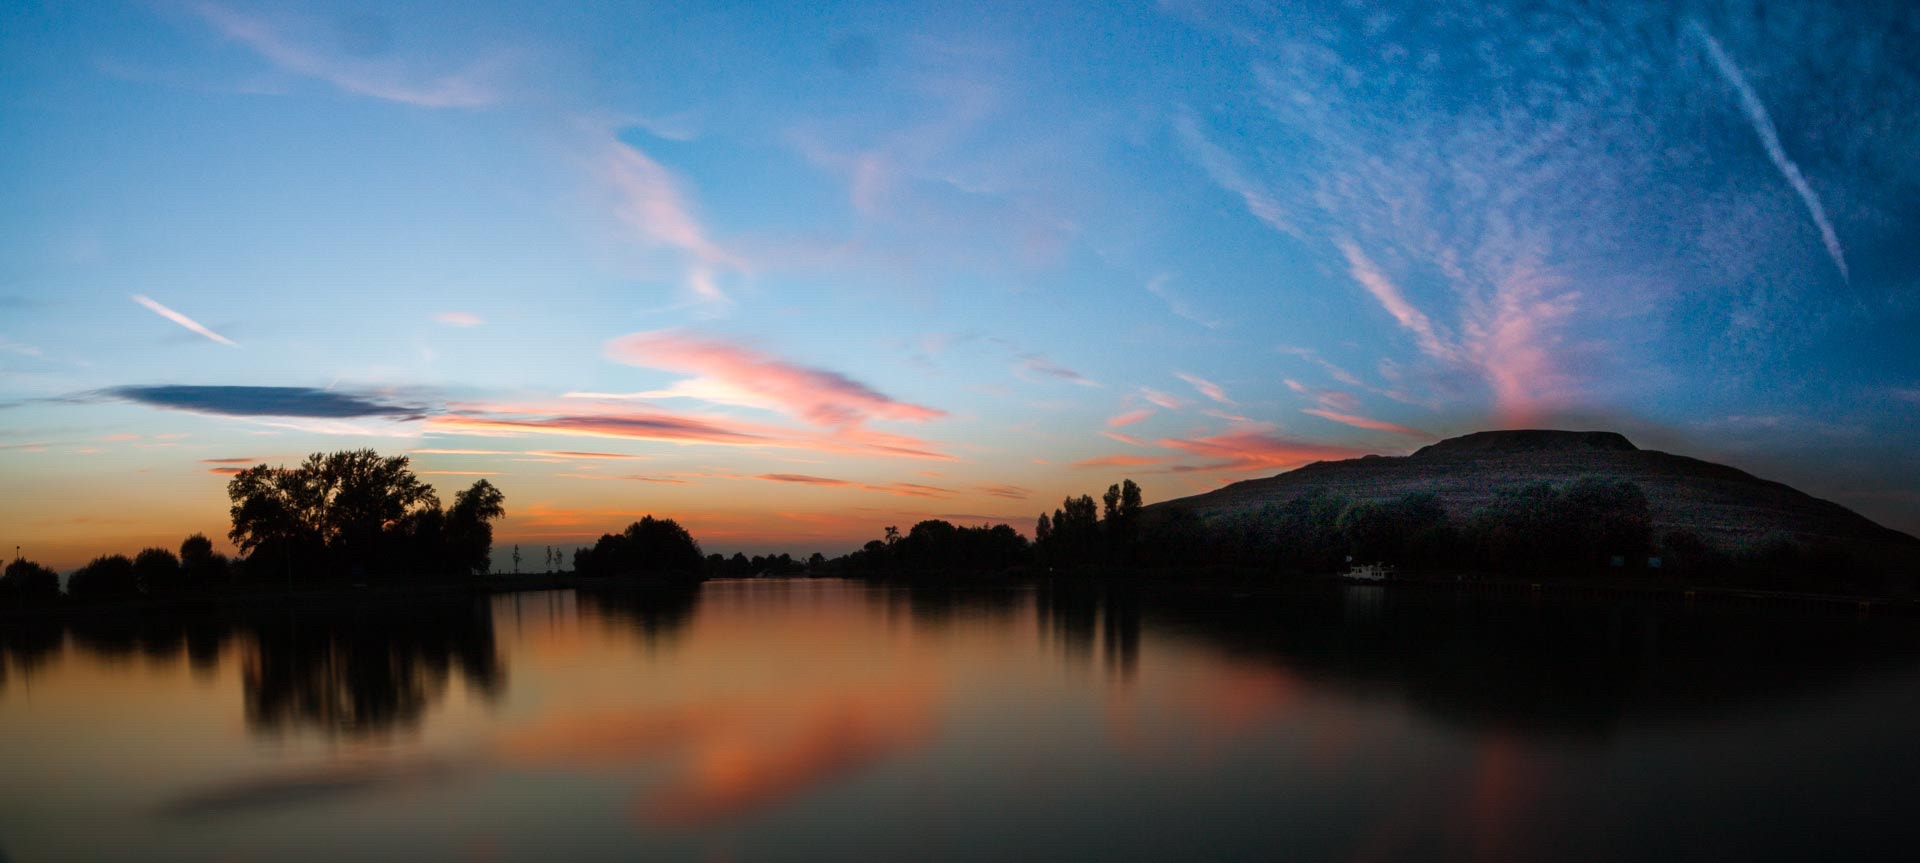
<point x="790" y="274"/>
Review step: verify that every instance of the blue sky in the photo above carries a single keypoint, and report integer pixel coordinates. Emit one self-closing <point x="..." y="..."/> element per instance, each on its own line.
<point x="797" y="273"/>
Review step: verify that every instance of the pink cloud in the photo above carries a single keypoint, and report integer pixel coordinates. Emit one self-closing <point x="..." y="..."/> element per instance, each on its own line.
<point x="729" y="373"/>
<point x="459" y="319"/>
<point x="906" y="489"/>
<point x="574" y="454"/>
<point x="1164" y="400"/>
<point x="654" y="205"/>
<point x="1128" y="439"/>
<point x="1254" y="449"/>
<point x="1364" y="423"/>
<point x="1206" y="387"/>
<point x="1332" y="399"/>
<point x="1121" y="461"/>
<point x="1516" y="346"/>
<point x="674" y="429"/>
<point x="1129" y="418"/>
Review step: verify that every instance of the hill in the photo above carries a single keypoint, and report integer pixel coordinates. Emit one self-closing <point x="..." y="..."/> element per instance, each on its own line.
<point x="1723" y="505"/>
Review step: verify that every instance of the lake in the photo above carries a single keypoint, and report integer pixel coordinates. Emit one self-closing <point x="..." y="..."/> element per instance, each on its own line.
<point x="825" y="719"/>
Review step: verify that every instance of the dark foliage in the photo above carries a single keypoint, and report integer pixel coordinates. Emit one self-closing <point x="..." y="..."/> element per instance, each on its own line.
<point x="110" y="575"/>
<point x="650" y="547"/>
<point x="158" y="572"/>
<point x="357" y="513"/>
<point x="26" y="581"/>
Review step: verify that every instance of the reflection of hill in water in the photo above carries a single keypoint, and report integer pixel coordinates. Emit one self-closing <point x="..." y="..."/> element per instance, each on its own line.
<point x="1557" y="667"/>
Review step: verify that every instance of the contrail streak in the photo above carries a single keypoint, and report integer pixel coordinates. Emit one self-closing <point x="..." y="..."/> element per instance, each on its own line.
<point x="181" y="319"/>
<point x="1770" y="138"/>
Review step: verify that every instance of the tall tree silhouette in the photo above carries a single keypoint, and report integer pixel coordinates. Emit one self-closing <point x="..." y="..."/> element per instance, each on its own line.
<point x="357" y="511"/>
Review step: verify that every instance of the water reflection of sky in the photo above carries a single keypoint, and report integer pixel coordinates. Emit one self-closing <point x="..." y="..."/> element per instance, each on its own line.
<point x="814" y="720"/>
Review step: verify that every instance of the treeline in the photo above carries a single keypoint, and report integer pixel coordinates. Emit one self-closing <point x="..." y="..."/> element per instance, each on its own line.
<point x="1590" y="523"/>
<point x="935" y="546"/>
<point x="351" y="517"/>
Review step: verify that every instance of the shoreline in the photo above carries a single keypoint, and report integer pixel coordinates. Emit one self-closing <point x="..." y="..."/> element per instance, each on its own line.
<point x="1216" y="584"/>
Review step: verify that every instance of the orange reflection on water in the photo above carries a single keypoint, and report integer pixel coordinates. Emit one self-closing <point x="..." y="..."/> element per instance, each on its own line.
<point x="783" y="754"/>
<point x="735" y="755"/>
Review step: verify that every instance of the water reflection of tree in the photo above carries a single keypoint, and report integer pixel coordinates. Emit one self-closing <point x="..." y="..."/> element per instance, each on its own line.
<point x="26" y="646"/>
<point x="1072" y="613"/>
<point x="657" y="613"/>
<point x="366" y="670"/>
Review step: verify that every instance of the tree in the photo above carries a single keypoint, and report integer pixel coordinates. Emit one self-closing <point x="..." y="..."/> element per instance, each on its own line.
<point x="357" y="510"/>
<point x="157" y="571"/>
<point x="201" y="567"/>
<point x="1609" y="518"/>
<point x="648" y="547"/>
<point x="109" y="575"/>
<point x="1121" y="520"/>
<point x="1074" y="539"/>
<point x="27" y="581"/>
<point x="516" y="560"/>
<point x="470" y="529"/>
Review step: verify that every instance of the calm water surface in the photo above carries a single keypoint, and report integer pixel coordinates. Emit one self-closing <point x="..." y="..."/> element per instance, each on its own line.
<point x="815" y="720"/>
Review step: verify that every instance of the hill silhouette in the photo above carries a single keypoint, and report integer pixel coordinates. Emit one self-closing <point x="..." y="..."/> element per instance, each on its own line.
<point x="1723" y="505"/>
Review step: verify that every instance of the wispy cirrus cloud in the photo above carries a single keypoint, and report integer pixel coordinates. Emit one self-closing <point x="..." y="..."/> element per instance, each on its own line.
<point x="385" y="78"/>
<point x="1361" y="422"/>
<point x="678" y="429"/>
<point x="459" y="319"/>
<point x="1127" y="439"/>
<point x="541" y="454"/>
<point x="1010" y="492"/>
<point x="1337" y="406"/>
<point x="1757" y="115"/>
<point x="1162" y="286"/>
<point x="1206" y="388"/>
<point x="727" y="373"/>
<point x="1128" y="418"/>
<point x="1388" y="295"/>
<point x="1327" y="398"/>
<point x="1165" y="400"/>
<point x="1034" y="364"/>
<point x="1122" y="461"/>
<point x="655" y="204"/>
<point x="906" y="489"/>
<point x="196" y="327"/>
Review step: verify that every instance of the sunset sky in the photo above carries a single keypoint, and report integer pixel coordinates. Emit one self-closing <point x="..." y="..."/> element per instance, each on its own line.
<point x="793" y="273"/>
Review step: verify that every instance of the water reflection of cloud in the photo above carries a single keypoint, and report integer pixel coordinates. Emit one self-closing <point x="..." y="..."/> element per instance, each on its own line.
<point x="733" y="756"/>
<point x="313" y="784"/>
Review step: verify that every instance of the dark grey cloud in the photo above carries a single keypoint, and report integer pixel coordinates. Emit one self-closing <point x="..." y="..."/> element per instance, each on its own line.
<point x="264" y="401"/>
